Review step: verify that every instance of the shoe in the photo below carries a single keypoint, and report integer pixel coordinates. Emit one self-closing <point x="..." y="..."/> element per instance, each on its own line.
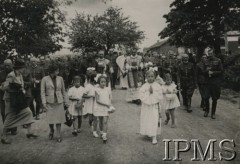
<point x="213" y="116"/>
<point x="13" y="132"/>
<point x="37" y="117"/>
<point x="31" y="136"/>
<point x="79" y="131"/>
<point x="59" y="139"/>
<point x="205" y="114"/>
<point x="154" y="140"/>
<point x="173" y="126"/>
<point x="25" y="126"/>
<point x="138" y="102"/>
<point x="189" y="111"/>
<point x="95" y="134"/>
<point x="104" y="137"/>
<point x="5" y="141"/>
<point x="74" y="133"/>
<point x="50" y="136"/>
<point x="166" y="122"/>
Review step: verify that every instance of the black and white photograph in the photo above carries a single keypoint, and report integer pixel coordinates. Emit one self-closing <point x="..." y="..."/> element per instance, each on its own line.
<point x="119" y="81"/>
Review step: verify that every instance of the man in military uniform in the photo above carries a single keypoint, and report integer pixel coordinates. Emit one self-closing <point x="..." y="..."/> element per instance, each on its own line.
<point x="213" y="70"/>
<point x="201" y="80"/>
<point x="115" y="69"/>
<point x="37" y="73"/>
<point x="187" y="81"/>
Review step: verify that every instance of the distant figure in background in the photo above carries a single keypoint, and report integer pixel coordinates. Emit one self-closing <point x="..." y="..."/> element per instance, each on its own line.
<point x="122" y="70"/>
<point x="114" y="69"/>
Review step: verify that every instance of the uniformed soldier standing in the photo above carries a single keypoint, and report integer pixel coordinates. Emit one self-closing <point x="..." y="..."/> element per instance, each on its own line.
<point x="187" y="81"/>
<point x="213" y="72"/>
<point x="37" y="73"/>
<point x="201" y="80"/>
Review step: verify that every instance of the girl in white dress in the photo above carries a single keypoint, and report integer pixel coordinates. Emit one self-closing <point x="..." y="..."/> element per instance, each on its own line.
<point x="89" y="97"/>
<point x="75" y="94"/>
<point x="150" y="95"/>
<point x="170" y="99"/>
<point x="102" y="107"/>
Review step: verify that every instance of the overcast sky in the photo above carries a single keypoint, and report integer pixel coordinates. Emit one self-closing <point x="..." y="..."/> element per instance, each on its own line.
<point x="147" y="13"/>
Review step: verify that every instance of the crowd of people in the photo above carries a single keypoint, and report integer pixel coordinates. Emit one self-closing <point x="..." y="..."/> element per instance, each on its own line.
<point x="81" y="86"/>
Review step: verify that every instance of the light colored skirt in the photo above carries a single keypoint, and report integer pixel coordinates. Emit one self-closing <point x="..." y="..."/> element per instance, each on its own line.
<point x="149" y="120"/>
<point x="13" y="119"/>
<point x="170" y="104"/>
<point x="88" y="106"/>
<point x="100" y="110"/>
<point x="72" y="110"/>
<point x="55" y="113"/>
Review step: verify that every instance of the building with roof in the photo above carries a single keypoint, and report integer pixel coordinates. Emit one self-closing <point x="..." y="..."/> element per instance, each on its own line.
<point x="162" y="47"/>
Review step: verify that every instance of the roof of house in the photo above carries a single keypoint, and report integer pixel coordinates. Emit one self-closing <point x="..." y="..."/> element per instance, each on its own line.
<point x="233" y="33"/>
<point x="158" y="44"/>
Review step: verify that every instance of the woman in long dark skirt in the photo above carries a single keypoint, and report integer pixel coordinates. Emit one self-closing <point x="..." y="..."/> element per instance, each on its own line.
<point x="15" y="117"/>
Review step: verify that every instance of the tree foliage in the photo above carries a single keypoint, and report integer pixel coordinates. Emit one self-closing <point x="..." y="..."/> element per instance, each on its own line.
<point x="30" y="26"/>
<point x="104" y="31"/>
<point x="200" y="23"/>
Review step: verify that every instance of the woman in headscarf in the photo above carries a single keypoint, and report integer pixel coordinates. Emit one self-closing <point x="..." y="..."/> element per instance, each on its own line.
<point x="17" y="112"/>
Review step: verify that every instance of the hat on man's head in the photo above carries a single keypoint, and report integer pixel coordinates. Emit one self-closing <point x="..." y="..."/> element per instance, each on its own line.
<point x="33" y="59"/>
<point x="19" y="63"/>
<point x="185" y="56"/>
<point x="7" y="62"/>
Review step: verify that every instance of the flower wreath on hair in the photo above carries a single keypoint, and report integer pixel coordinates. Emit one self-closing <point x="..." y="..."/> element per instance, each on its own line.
<point x="98" y="75"/>
<point x="153" y="69"/>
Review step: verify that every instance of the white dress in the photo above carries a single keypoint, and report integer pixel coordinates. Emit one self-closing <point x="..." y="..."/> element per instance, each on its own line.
<point x="105" y="97"/>
<point x="89" y="102"/>
<point x="150" y="109"/>
<point x="122" y="69"/>
<point x="76" y="93"/>
<point x="167" y="103"/>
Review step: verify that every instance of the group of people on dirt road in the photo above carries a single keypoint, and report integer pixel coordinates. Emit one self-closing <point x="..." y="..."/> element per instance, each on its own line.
<point x="70" y="88"/>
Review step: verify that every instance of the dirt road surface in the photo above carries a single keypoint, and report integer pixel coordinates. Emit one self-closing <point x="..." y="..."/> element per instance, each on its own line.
<point x="125" y="145"/>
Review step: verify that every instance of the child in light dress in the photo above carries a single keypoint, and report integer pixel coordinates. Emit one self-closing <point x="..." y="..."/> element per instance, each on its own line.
<point x="89" y="97"/>
<point x="170" y="99"/>
<point x="75" y="94"/>
<point x="150" y="95"/>
<point x="102" y="107"/>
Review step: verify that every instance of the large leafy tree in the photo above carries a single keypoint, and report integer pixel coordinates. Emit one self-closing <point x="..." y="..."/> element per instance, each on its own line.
<point x="31" y="26"/>
<point x="104" y="31"/>
<point x="199" y="23"/>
